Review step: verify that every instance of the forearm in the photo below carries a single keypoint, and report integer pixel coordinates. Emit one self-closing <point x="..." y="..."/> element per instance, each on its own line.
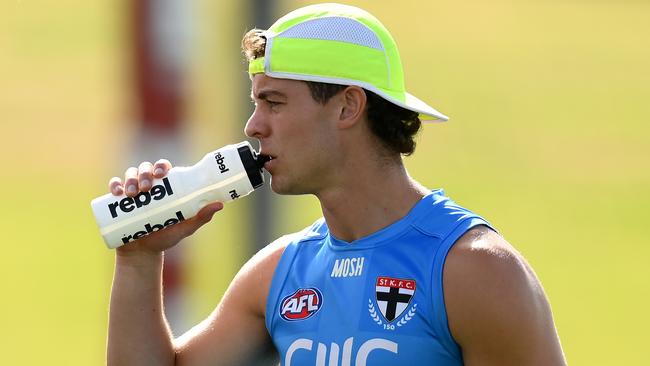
<point x="138" y="332"/>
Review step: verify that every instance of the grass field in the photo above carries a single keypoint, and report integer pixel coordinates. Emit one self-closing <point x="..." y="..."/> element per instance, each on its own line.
<point x="548" y="140"/>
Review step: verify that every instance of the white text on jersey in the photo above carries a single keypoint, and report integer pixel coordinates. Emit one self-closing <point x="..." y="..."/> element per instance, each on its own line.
<point x="346" y="360"/>
<point x="348" y="267"/>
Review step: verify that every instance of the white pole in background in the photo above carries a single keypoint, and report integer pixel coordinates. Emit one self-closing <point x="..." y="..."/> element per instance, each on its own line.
<point x="160" y="31"/>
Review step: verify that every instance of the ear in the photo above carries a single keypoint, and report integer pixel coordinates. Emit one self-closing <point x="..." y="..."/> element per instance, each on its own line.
<point x="353" y="106"/>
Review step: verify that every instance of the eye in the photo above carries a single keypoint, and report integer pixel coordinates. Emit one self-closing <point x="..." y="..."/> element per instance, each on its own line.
<point x="272" y="103"/>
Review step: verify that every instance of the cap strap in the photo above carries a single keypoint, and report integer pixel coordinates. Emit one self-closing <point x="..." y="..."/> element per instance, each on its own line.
<point x="256" y="66"/>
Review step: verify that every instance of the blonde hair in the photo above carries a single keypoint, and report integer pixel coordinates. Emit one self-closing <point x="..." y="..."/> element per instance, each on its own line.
<point x="253" y="44"/>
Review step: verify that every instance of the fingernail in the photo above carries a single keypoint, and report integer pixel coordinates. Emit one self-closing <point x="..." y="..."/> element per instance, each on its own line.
<point x="145" y="183"/>
<point x="131" y="189"/>
<point x="158" y="171"/>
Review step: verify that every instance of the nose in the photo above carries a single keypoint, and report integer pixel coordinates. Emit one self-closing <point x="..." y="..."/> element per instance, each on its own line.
<point x="256" y="126"/>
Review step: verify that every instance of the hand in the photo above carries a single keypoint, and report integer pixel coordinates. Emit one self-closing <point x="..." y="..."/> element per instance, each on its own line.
<point x="140" y="179"/>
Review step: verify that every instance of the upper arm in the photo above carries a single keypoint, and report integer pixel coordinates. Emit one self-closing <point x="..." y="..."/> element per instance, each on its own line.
<point x="496" y="306"/>
<point x="235" y="332"/>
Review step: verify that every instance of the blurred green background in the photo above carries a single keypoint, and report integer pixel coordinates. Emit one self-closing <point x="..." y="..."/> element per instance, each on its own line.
<point x="549" y="140"/>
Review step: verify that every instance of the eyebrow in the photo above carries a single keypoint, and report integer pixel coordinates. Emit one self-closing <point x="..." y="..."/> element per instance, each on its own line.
<point x="265" y="94"/>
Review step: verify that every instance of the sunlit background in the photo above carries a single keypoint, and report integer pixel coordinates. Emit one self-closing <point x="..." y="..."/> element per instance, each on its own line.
<point x="548" y="139"/>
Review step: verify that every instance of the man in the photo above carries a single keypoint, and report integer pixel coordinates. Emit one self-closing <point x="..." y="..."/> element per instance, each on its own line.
<point x="393" y="275"/>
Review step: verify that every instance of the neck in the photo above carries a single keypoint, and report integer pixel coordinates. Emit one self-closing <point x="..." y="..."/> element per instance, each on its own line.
<point x="370" y="199"/>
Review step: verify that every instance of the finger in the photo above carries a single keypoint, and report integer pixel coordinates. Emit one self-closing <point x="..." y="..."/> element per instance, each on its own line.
<point x="145" y="176"/>
<point x="115" y="186"/>
<point x="131" y="181"/>
<point x="161" y="167"/>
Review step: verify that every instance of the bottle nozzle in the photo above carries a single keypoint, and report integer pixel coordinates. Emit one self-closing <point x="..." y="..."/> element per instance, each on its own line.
<point x="261" y="159"/>
<point x="251" y="162"/>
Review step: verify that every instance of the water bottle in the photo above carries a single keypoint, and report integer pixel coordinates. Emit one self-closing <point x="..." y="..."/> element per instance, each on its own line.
<point x="223" y="175"/>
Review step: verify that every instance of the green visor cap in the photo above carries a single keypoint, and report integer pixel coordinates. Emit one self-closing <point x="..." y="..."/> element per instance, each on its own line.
<point x="338" y="44"/>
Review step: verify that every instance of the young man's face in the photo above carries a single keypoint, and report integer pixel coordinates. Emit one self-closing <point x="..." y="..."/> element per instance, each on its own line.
<point x="298" y="132"/>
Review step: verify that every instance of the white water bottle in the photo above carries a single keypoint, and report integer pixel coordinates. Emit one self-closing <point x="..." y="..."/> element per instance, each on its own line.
<point x="222" y="175"/>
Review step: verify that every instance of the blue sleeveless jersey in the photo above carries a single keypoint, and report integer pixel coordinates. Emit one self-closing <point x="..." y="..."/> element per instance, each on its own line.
<point x="377" y="301"/>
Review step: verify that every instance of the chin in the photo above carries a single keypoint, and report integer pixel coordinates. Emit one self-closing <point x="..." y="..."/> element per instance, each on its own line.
<point x="277" y="186"/>
<point x="283" y="187"/>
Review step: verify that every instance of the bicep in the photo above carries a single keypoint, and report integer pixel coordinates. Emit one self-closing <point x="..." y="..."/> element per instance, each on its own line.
<point x="229" y="336"/>
<point x="496" y="306"/>
<point x="235" y="333"/>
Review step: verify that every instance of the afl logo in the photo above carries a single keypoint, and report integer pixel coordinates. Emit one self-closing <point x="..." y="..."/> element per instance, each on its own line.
<point x="302" y="304"/>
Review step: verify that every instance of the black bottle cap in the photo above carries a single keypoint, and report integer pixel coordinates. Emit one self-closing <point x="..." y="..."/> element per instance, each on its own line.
<point x="249" y="158"/>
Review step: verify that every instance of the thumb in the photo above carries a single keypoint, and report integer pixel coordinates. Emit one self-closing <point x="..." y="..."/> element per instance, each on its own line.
<point x="205" y="214"/>
<point x="190" y="226"/>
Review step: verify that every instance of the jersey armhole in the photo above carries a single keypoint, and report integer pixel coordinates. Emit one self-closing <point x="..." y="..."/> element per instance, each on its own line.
<point x="440" y="321"/>
<point x="277" y="283"/>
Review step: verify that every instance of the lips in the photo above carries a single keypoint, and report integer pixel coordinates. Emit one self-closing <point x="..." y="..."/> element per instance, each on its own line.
<point x="266" y="159"/>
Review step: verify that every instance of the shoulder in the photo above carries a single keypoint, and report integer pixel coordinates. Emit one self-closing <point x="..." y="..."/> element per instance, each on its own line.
<point x="483" y="252"/>
<point x="271" y="254"/>
<point x="496" y="306"/>
<point x="481" y="263"/>
<point x="256" y="275"/>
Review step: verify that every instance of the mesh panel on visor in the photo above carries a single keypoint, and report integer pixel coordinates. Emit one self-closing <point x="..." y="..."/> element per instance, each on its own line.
<point x="335" y="29"/>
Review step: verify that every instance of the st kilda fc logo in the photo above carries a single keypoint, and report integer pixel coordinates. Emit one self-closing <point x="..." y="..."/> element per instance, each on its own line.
<point x="302" y="304"/>
<point x="393" y="298"/>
